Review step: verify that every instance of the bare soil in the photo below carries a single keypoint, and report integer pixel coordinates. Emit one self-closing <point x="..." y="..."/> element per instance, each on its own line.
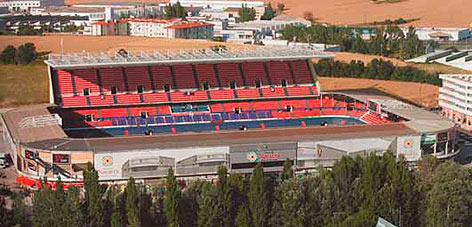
<point x="106" y="43"/>
<point x="420" y="94"/>
<point x="431" y="13"/>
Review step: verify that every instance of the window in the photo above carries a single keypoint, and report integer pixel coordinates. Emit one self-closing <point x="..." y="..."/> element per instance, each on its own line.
<point x="258" y="83"/>
<point x="284" y="83"/>
<point x="206" y="86"/>
<point x="232" y="85"/>
<point x="86" y="91"/>
<point x="166" y="88"/>
<point x="140" y="89"/>
<point x="114" y="90"/>
<point x="89" y="117"/>
<point x="144" y="115"/>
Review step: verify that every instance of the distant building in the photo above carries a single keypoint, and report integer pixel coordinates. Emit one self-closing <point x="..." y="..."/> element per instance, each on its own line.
<point x="258" y="29"/>
<point x="218" y="4"/>
<point x="455" y="97"/>
<point x="105" y="28"/>
<point x="440" y="34"/>
<point x="149" y="27"/>
<point x="190" y="30"/>
<point x="27" y="5"/>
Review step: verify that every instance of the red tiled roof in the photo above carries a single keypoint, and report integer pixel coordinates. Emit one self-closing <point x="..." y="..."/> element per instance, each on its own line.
<point x="186" y="24"/>
<point x="103" y="23"/>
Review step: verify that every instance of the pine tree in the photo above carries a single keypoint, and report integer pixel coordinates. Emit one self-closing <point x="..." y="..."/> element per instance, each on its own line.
<point x="242" y="217"/>
<point x="246" y="14"/>
<point x="172" y="200"/>
<point x="132" y="203"/>
<point x="208" y="214"/>
<point x="269" y="13"/>
<point x="223" y="198"/>
<point x="93" y="200"/>
<point x="287" y="172"/>
<point x="258" y="198"/>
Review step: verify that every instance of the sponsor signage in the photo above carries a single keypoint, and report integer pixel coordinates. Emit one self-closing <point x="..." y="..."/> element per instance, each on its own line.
<point x="61" y="158"/>
<point x="429" y="138"/>
<point x="409" y="146"/>
<point x="259" y="156"/>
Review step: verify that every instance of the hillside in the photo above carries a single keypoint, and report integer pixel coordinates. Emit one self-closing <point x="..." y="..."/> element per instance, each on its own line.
<point x="431" y="13"/>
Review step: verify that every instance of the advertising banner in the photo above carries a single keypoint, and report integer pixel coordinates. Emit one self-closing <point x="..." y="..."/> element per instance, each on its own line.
<point x="429" y="138"/>
<point x="409" y="146"/>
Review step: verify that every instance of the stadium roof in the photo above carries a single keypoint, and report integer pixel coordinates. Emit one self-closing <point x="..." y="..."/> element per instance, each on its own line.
<point x="85" y="59"/>
<point x="22" y="126"/>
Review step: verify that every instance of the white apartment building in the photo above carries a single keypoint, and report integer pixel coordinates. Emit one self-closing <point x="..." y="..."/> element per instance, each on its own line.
<point x="218" y="4"/>
<point x="20" y="6"/>
<point x="455" y="98"/>
<point x="149" y="27"/>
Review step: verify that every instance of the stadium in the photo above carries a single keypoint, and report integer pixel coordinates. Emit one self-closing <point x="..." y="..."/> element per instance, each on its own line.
<point x="137" y="114"/>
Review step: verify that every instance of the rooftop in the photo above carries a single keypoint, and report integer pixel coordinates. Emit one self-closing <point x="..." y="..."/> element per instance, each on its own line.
<point x="20" y="122"/>
<point x="189" y="24"/>
<point x="85" y="59"/>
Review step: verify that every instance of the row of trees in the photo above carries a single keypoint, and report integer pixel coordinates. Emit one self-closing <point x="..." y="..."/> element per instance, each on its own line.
<point x="354" y="193"/>
<point x="25" y="54"/>
<point x="375" y="69"/>
<point x="174" y="11"/>
<point x="387" y="41"/>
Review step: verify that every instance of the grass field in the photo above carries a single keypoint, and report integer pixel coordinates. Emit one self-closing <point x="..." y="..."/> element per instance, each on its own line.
<point x="21" y="85"/>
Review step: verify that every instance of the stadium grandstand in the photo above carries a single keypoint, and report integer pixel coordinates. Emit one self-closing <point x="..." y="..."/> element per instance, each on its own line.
<point x="140" y="113"/>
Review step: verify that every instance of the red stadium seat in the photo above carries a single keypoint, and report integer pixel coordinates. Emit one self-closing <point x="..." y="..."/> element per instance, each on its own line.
<point x="161" y="76"/>
<point x="138" y="76"/>
<point x="254" y="71"/>
<point x="155" y="97"/>
<point x="273" y="92"/>
<point x="247" y="93"/>
<point x="112" y="77"/>
<point x="279" y="71"/>
<point x="184" y="77"/>
<point x="86" y="78"/>
<point x="206" y="73"/>
<point x="221" y="94"/>
<point x="229" y="72"/>
<point x="64" y="81"/>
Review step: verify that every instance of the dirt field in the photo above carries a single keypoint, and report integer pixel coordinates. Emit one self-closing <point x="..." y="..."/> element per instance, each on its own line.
<point x="420" y="94"/>
<point x="106" y="43"/>
<point x="431" y="13"/>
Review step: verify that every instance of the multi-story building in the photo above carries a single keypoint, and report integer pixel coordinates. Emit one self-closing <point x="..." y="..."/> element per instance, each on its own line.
<point x="190" y="30"/>
<point x="149" y="27"/>
<point x="455" y="98"/>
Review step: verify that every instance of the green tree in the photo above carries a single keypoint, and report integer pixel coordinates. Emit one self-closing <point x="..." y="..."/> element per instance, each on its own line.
<point x="411" y="46"/>
<point x="286" y="209"/>
<point x="174" y="11"/>
<point x="287" y="172"/>
<point x="208" y="214"/>
<point x="172" y="200"/>
<point x="258" y="197"/>
<point x="359" y="46"/>
<point x="242" y="217"/>
<point x="26" y="53"/>
<point x="93" y="200"/>
<point x="224" y="201"/>
<point x="269" y="13"/>
<point x="246" y="14"/>
<point x="450" y="198"/>
<point x="8" y="55"/>
<point x="132" y="203"/>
